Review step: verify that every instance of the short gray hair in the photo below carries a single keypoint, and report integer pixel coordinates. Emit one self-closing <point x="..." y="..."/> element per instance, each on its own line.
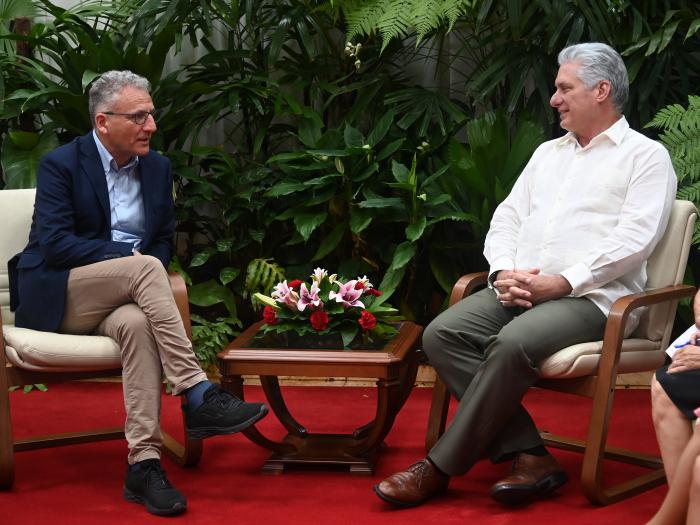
<point x="104" y="90"/>
<point x="599" y="62"/>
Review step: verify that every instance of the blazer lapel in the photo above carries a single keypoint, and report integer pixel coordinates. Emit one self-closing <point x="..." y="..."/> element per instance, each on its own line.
<point x="94" y="171"/>
<point x="148" y="193"/>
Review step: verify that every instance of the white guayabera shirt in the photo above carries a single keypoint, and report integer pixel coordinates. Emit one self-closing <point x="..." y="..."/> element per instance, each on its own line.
<point x="592" y="214"/>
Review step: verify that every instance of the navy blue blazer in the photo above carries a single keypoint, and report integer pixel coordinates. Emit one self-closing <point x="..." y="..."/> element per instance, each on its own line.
<point x="71" y="227"/>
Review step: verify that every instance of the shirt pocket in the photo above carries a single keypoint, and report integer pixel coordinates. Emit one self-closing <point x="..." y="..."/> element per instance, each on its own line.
<point x="605" y="190"/>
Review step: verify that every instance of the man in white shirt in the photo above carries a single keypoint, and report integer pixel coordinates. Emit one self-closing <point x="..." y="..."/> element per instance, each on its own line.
<point x="571" y="238"/>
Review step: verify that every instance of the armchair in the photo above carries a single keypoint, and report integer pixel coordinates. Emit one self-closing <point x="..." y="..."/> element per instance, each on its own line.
<point x="31" y="357"/>
<point x="591" y="369"/>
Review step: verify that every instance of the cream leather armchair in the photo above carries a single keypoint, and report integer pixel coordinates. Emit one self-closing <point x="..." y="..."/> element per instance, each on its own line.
<point x="591" y="369"/>
<point x="31" y="357"/>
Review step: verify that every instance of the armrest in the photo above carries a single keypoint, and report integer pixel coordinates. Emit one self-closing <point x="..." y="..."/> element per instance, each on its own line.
<point x="177" y="283"/>
<point x="466" y="285"/>
<point x="619" y="313"/>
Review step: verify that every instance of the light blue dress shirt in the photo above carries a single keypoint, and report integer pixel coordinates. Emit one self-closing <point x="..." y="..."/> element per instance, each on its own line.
<point x="125" y="200"/>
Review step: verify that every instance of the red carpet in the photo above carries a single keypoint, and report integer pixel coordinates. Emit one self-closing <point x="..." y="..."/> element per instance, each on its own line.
<point x="81" y="484"/>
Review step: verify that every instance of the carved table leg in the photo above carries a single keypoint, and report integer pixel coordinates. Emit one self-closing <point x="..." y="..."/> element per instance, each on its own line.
<point x="271" y="387"/>
<point x="234" y="384"/>
<point x="407" y="379"/>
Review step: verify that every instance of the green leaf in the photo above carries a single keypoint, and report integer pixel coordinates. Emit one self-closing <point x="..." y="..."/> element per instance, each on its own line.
<point x="330" y="242"/>
<point x="390" y="149"/>
<point x="223" y="245"/>
<point x="359" y="220"/>
<point x="402" y="255"/>
<point x="228" y="274"/>
<point x="88" y="77"/>
<point x="210" y="293"/>
<point x="399" y="171"/>
<point x="200" y="258"/>
<point x="353" y="138"/>
<point x="307" y="222"/>
<point x="19" y="165"/>
<point x="391" y="281"/>
<point x="310" y="131"/>
<point x="693" y="28"/>
<point x="381" y="202"/>
<point x="285" y="188"/>
<point x="380" y="129"/>
<point x="415" y="231"/>
<point x="266" y="300"/>
<point x="348" y="334"/>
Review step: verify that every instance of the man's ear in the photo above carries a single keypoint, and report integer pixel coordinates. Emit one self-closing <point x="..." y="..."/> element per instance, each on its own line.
<point x="603" y="90"/>
<point x="101" y="123"/>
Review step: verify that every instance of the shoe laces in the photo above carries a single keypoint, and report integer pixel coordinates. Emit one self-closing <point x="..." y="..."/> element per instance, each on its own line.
<point x="422" y="469"/>
<point x="223" y="398"/>
<point x="155" y="476"/>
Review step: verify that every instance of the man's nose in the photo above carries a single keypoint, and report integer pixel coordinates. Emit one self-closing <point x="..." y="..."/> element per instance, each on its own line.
<point x="555" y="100"/>
<point x="150" y="124"/>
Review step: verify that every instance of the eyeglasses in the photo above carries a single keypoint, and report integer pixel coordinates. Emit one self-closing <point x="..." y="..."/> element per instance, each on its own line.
<point x="139" y="117"/>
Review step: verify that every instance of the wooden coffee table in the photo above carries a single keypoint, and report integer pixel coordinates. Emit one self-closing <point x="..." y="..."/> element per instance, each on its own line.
<point x="394" y="367"/>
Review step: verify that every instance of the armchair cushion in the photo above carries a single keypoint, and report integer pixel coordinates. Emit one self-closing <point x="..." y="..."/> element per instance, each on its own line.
<point x="581" y="360"/>
<point x="51" y="352"/>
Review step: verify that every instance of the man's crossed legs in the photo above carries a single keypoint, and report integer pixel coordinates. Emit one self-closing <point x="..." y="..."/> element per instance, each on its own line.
<point x="487" y="355"/>
<point x="129" y="299"/>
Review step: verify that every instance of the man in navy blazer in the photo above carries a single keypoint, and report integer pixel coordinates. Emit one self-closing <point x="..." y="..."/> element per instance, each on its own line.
<point x="99" y="245"/>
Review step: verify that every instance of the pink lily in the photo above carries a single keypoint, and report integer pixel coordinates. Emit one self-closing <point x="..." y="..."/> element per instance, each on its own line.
<point x="285" y="295"/>
<point x="309" y="297"/>
<point x="347" y="295"/>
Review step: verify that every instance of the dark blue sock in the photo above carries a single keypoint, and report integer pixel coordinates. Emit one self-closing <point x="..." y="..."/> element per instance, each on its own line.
<point x="195" y="394"/>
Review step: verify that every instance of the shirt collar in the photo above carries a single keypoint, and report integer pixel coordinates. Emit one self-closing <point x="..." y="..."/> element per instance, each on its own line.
<point x="616" y="133"/>
<point x="108" y="162"/>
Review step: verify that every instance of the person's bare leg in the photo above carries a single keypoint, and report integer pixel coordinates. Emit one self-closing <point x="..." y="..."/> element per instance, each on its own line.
<point x="693" y="517"/>
<point x="673" y="429"/>
<point x="674" y="509"/>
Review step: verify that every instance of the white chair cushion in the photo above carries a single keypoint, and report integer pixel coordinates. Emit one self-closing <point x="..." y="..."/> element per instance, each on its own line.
<point x="638" y="355"/>
<point x="46" y="351"/>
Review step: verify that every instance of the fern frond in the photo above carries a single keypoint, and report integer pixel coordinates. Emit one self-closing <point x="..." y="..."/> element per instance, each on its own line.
<point x="452" y="10"/>
<point x="426" y="16"/>
<point x="261" y="276"/>
<point x="395" y="21"/>
<point x="690" y="193"/>
<point x="681" y="136"/>
<point x="397" y="18"/>
<point x="361" y="18"/>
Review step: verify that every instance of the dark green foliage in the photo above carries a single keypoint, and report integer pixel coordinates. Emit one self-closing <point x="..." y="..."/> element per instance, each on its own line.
<point x="329" y="153"/>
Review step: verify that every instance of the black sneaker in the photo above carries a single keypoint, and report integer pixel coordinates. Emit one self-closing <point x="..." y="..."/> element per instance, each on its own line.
<point x="221" y="413"/>
<point x="149" y="486"/>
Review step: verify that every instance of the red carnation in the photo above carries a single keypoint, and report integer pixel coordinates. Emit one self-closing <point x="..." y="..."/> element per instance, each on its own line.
<point x="374" y="291"/>
<point x="319" y="320"/>
<point x="270" y="315"/>
<point x="296" y="283"/>
<point x="359" y="285"/>
<point x="367" y="321"/>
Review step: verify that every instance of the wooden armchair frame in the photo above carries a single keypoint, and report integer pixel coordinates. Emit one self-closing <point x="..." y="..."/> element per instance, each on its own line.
<point x="185" y="454"/>
<point x="601" y="388"/>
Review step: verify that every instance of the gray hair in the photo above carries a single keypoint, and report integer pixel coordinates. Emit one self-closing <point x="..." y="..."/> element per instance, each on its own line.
<point x="599" y="62"/>
<point x="105" y="89"/>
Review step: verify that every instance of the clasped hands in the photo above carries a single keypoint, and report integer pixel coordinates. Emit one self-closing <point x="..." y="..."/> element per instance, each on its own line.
<point x="527" y="288"/>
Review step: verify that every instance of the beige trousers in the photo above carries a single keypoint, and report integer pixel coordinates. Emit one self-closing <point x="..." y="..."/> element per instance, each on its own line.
<point x="130" y="300"/>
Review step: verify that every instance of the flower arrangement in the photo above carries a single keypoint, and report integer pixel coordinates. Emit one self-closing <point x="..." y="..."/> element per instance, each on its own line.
<point x="328" y="305"/>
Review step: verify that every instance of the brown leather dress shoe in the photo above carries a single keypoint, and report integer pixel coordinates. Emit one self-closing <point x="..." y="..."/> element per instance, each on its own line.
<point x="531" y="477"/>
<point x="421" y="481"/>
